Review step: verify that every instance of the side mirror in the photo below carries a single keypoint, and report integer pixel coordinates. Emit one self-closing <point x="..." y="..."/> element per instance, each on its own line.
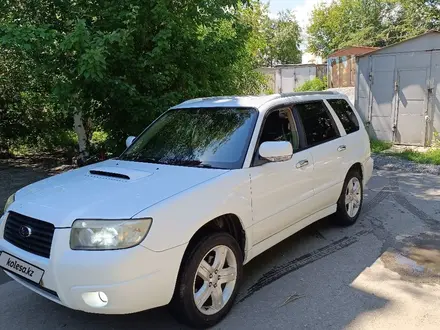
<point x="276" y="151"/>
<point x="129" y="140"/>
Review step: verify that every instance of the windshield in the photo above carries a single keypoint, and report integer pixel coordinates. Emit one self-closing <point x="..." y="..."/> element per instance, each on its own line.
<point x="200" y="137"/>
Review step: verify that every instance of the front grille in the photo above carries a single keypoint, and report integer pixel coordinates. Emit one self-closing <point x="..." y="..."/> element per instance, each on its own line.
<point x="39" y="242"/>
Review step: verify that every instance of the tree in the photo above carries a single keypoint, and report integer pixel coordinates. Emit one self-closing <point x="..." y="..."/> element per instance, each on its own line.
<point x="410" y="18"/>
<point x="345" y="23"/>
<point x="119" y="64"/>
<point x="282" y="38"/>
<point x="378" y="23"/>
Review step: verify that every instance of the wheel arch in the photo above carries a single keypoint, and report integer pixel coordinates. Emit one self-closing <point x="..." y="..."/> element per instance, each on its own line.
<point x="229" y="223"/>
<point x="357" y="167"/>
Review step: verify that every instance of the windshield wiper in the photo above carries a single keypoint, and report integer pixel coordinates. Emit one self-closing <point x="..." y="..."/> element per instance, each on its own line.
<point x="205" y="166"/>
<point x="177" y="162"/>
<point x="150" y="160"/>
<point x="189" y="163"/>
<point x="142" y="159"/>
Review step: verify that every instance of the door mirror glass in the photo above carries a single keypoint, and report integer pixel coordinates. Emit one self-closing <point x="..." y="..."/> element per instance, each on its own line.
<point x="129" y="140"/>
<point x="276" y="151"/>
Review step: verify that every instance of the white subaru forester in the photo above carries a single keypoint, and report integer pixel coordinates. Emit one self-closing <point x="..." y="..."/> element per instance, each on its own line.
<point x="208" y="186"/>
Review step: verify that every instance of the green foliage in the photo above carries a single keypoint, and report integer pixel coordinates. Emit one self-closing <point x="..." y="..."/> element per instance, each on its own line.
<point x="59" y="140"/>
<point x="432" y="156"/>
<point x="314" y="84"/>
<point x="119" y="63"/>
<point x="282" y="40"/>
<point x="378" y="146"/>
<point x="379" y="23"/>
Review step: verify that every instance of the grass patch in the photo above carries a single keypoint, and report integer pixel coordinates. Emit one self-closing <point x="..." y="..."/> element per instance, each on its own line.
<point x="378" y="146"/>
<point x="432" y="156"/>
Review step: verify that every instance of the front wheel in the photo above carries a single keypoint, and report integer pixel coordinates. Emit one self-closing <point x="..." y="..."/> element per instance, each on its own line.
<point x="350" y="202"/>
<point x="208" y="281"/>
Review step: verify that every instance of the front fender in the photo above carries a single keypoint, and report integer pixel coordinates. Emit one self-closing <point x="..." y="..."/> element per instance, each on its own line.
<point x="178" y="218"/>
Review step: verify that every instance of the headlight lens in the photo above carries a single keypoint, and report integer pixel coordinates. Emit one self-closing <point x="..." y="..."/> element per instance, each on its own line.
<point x="9" y="201"/>
<point x="108" y="234"/>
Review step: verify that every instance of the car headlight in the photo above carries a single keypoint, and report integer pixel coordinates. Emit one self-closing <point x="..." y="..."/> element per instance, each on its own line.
<point x="9" y="201"/>
<point x="108" y="234"/>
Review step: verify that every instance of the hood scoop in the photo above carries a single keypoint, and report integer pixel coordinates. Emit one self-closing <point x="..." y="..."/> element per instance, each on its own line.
<point x="118" y="173"/>
<point x="110" y="174"/>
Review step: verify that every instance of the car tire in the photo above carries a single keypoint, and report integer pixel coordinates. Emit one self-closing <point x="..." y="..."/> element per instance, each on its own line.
<point x="197" y="281"/>
<point x="350" y="201"/>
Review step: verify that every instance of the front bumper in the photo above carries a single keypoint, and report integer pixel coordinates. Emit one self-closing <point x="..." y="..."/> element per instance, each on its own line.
<point x="133" y="280"/>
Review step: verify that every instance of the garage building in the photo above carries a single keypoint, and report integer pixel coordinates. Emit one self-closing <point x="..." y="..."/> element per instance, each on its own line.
<point x="398" y="90"/>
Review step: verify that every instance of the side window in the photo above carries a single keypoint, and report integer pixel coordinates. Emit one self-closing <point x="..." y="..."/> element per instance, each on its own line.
<point x="279" y="126"/>
<point x="318" y="123"/>
<point x="345" y="114"/>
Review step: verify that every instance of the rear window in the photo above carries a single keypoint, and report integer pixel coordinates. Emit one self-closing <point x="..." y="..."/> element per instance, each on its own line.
<point x="345" y="114"/>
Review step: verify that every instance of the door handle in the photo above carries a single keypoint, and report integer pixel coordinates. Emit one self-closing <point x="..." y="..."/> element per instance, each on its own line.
<point x="302" y="163"/>
<point x="342" y="148"/>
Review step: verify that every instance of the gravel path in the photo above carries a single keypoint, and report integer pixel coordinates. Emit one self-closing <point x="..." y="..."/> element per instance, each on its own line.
<point x="385" y="162"/>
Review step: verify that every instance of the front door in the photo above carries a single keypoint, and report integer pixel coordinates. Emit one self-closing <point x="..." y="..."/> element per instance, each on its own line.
<point x="281" y="192"/>
<point x="412" y="106"/>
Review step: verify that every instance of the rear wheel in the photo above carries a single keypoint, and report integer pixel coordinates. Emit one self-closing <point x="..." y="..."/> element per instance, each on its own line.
<point x="208" y="281"/>
<point x="350" y="201"/>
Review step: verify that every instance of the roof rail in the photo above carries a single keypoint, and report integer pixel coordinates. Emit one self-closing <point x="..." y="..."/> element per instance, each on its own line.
<point x="310" y="93"/>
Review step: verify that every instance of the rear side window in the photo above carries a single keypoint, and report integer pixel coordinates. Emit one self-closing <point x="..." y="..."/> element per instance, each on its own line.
<point x="345" y="114"/>
<point x="318" y="124"/>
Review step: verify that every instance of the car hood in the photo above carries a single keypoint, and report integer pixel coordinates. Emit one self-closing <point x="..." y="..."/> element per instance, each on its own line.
<point x="111" y="189"/>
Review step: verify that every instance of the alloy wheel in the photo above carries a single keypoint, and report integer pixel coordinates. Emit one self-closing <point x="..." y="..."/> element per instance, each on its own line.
<point x="353" y="197"/>
<point x="215" y="280"/>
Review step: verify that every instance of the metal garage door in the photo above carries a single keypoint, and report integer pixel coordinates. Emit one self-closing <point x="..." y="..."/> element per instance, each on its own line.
<point x="412" y="106"/>
<point x="382" y="95"/>
<point x="287" y="80"/>
<point x="295" y="76"/>
<point x="303" y="74"/>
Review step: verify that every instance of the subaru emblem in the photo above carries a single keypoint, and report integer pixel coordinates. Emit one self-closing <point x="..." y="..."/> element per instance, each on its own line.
<point x="25" y="231"/>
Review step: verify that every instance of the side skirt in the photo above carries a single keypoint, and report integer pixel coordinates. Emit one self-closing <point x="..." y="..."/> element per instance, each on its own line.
<point x="287" y="232"/>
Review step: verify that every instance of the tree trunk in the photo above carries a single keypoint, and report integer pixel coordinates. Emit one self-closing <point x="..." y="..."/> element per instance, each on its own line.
<point x="82" y="136"/>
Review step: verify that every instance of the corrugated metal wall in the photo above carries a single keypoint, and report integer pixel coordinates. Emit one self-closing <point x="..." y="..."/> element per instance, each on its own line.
<point x="398" y="91"/>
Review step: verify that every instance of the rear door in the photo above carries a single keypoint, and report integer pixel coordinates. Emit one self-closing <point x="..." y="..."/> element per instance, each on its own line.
<point x="354" y="138"/>
<point x="323" y="140"/>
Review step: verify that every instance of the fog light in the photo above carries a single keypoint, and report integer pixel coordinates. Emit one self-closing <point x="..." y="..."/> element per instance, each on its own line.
<point x="95" y="299"/>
